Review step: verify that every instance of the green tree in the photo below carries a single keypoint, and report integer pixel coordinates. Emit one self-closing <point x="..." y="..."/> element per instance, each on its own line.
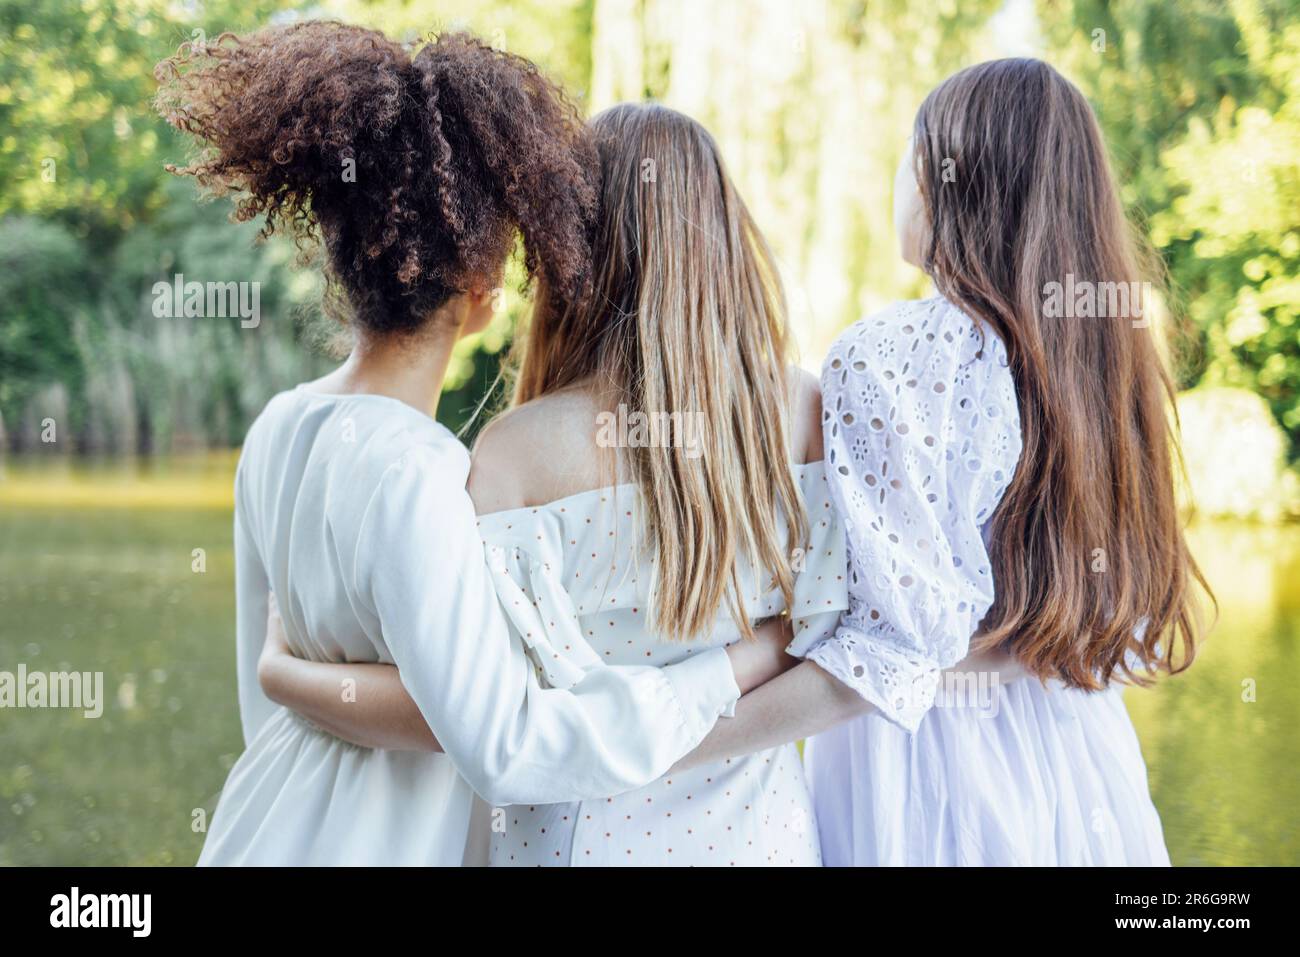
<point x="1200" y="102"/>
<point x="41" y="266"/>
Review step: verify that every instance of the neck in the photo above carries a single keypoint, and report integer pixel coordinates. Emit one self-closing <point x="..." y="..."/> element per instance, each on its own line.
<point x="410" y="369"/>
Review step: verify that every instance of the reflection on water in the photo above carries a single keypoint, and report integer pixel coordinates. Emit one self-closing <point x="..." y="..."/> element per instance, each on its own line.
<point x="1221" y="741"/>
<point x="98" y="572"/>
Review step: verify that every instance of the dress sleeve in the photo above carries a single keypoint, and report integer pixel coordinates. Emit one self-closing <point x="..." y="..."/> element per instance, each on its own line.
<point x="542" y="615"/>
<point x="252" y="594"/>
<point x="604" y="730"/>
<point x="820" y="583"/>
<point x="919" y="450"/>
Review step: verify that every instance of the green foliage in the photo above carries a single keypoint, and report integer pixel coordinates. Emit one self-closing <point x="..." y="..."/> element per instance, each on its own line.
<point x="79" y="339"/>
<point x="41" y="267"/>
<point x="1200" y="102"/>
<point x="76" y="87"/>
<point x="1235" y="224"/>
<point x="89" y="221"/>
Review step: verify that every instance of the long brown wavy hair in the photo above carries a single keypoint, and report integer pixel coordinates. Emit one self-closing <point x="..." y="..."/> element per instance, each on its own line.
<point x="1093" y="575"/>
<point x="687" y="316"/>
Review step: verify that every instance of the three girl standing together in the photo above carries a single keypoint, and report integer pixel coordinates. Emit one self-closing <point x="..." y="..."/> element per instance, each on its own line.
<point x="578" y="651"/>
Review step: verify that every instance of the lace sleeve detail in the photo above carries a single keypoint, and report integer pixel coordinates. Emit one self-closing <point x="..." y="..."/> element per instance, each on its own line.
<point x="922" y="436"/>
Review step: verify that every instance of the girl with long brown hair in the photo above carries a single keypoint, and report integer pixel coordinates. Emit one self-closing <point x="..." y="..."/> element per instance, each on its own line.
<point x="1004" y="467"/>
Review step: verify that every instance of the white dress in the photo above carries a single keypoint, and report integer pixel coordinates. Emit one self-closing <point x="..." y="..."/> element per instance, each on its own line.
<point x="922" y="436"/>
<point x="353" y="510"/>
<point x="576" y="580"/>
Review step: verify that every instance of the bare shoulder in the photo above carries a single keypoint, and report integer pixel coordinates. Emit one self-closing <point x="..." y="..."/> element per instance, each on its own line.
<point x="805" y="415"/>
<point x="536" y="453"/>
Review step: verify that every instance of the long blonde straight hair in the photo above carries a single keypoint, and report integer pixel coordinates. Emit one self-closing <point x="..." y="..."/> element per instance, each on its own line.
<point x="686" y="321"/>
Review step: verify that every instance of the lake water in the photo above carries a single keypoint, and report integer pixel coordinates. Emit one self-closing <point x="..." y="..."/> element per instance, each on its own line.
<point x="127" y="570"/>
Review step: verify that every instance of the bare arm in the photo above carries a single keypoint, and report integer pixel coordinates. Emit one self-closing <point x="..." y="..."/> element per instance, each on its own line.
<point x="363" y="703"/>
<point x="367" y="704"/>
<point x="804" y="701"/>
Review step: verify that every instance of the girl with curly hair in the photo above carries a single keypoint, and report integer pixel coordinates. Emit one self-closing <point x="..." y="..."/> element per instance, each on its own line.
<point x="416" y="171"/>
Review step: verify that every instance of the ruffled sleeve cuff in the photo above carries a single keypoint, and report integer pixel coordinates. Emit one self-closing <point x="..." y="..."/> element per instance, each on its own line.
<point x="901" y="687"/>
<point x="705" y="687"/>
<point x="542" y="614"/>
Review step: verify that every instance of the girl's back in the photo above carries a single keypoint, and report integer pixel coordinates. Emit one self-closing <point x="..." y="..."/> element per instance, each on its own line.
<point x="309" y="491"/>
<point x="949" y="772"/>
<point x="1004" y="468"/>
<point x="641" y="498"/>
<point x="574" y="571"/>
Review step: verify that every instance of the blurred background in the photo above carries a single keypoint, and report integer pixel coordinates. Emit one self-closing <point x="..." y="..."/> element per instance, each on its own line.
<point x="119" y="430"/>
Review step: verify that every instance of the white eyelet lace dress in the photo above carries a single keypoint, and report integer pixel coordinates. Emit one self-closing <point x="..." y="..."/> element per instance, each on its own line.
<point x="575" y="580"/>
<point x="922" y="436"/>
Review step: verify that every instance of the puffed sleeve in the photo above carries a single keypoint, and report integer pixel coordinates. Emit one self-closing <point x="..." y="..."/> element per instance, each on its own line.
<point x="421" y="570"/>
<point x="921" y="435"/>
<point x="542" y="615"/>
<point x="820" y="582"/>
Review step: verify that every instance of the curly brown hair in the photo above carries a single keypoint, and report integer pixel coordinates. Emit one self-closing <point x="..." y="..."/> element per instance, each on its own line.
<point x="456" y="149"/>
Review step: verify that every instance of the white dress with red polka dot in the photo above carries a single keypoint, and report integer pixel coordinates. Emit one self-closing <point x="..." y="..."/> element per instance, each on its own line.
<point x="575" y="578"/>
